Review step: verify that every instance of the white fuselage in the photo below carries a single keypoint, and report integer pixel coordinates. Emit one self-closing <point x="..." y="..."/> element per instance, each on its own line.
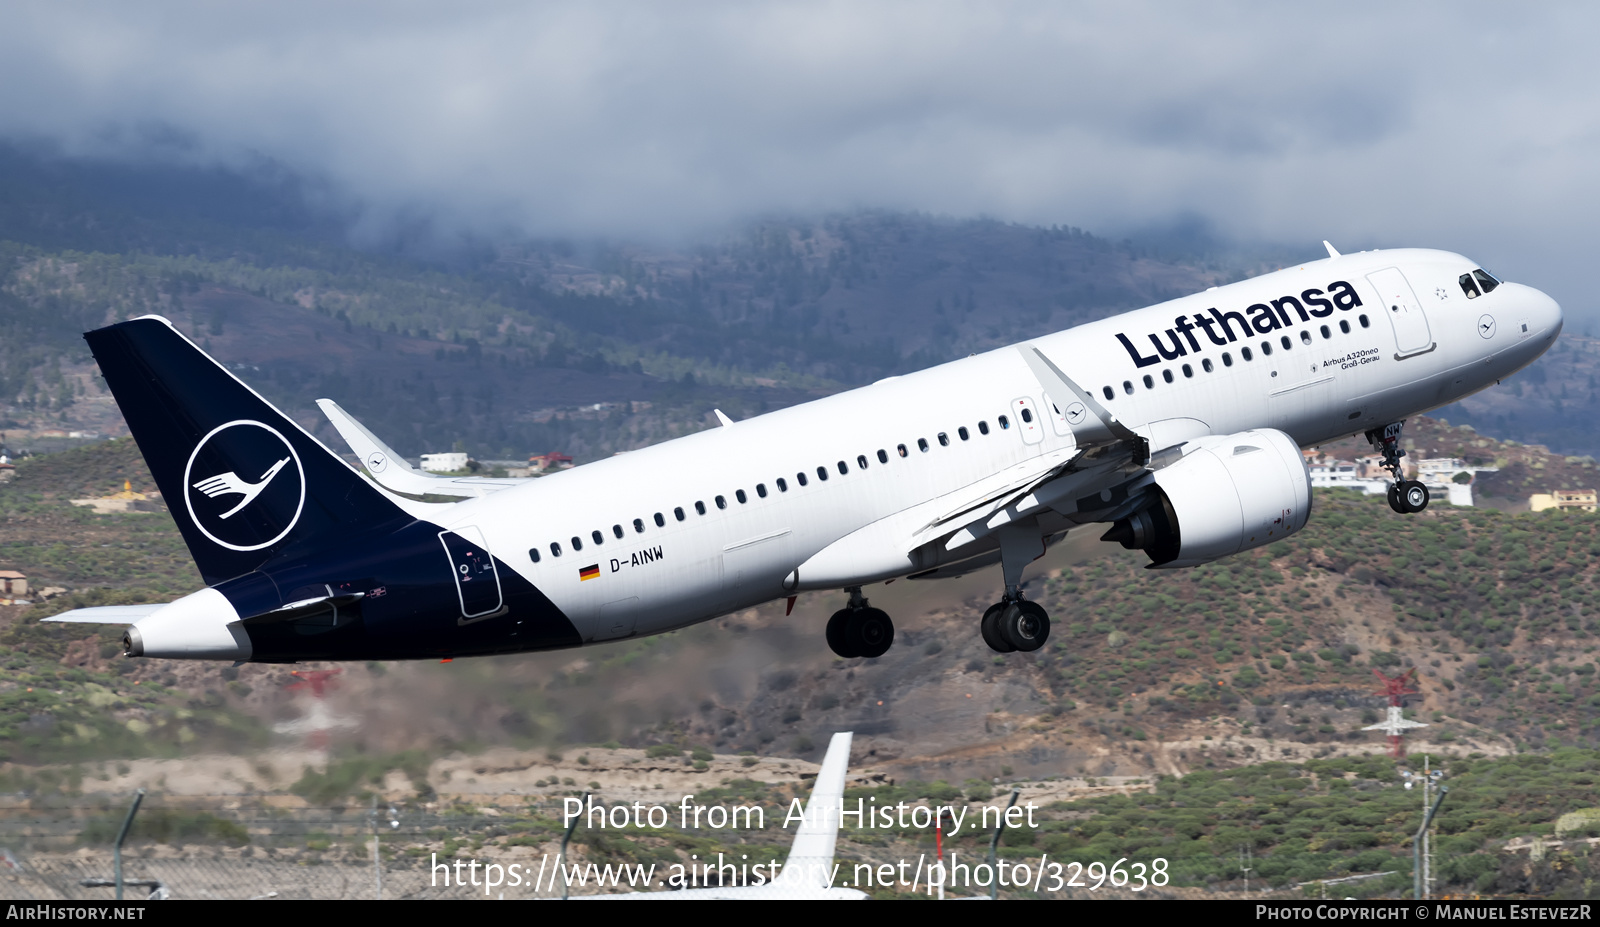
<point x="1424" y="345"/>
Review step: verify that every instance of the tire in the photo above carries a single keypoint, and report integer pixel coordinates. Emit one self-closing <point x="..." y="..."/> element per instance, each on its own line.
<point x="1025" y="626"/>
<point x="838" y="640"/>
<point x="869" y="633"/>
<point x="1395" y="502"/>
<point x="1414" y="496"/>
<point x="990" y="628"/>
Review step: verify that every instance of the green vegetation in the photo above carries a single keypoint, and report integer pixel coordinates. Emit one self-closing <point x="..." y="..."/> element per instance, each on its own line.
<point x="1476" y="585"/>
<point x="1329" y="818"/>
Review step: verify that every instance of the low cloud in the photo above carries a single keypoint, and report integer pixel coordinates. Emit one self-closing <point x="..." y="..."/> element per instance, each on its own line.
<point x="1458" y="126"/>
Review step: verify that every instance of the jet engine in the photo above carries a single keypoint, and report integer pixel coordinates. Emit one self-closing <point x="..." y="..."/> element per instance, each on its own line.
<point x="1225" y="494"/>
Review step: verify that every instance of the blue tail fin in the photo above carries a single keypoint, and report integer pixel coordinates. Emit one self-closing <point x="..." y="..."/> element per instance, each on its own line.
<point x="244" y="482"/>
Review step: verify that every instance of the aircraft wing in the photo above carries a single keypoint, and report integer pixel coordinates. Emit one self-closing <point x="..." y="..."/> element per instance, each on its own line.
<point x="394" y="473"/>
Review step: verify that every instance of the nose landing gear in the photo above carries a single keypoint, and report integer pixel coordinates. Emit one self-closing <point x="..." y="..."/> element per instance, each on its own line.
<point x="1405" y="496"/>
<point x="858" y="630"/>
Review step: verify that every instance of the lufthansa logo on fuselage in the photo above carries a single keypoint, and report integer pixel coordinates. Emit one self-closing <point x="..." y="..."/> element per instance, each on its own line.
<point x="1263" y="318"/>
<point x="244" y="485"/>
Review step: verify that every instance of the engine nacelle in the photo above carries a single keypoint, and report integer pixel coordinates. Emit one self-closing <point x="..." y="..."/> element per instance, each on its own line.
<point x="1226" y="494"/>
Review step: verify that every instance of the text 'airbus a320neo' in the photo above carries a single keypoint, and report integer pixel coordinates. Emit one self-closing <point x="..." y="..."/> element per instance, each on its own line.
<point x="1174" y="429"/>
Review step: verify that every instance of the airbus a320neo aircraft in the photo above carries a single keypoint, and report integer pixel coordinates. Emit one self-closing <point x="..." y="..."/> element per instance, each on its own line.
<point x="1174" y="429"/>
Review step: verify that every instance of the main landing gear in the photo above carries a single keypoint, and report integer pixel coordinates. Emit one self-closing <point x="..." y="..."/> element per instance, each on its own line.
<point x="1405" y="496"/>
<point x="1014" y="623"/>
<point x="858" y="630"/>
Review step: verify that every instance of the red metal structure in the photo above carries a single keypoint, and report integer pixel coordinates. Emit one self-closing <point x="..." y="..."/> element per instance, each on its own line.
<point x="319" y="682"/>
<point x="1396" y="690"/>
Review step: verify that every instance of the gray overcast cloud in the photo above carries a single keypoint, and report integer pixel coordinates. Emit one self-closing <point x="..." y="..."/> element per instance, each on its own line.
<point x="1470" y="127"/>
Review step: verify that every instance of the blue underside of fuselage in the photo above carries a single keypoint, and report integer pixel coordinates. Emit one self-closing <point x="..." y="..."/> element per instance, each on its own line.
<point x="411" y="608"/>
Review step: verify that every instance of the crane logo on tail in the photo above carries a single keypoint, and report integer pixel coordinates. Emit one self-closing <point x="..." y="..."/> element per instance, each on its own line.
<point x="267" y="501"/>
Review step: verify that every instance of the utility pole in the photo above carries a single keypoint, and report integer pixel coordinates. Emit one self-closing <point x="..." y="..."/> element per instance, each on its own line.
<point x="377" y="867"/>
<point x="1416" y="845"/>
<point x="1245" y="859"/>
<point x="122" y="835"/>
<point x="994" y="842"/>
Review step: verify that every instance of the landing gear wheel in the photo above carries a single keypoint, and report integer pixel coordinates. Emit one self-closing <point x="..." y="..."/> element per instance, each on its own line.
<point x="990" y="628"/>
<point x="869" y="632"/>
<point x="1394" y="499"/>
<point x="1025" y="625"/>
<point x="1414" y="496"/>
<point x="838" y="640"/>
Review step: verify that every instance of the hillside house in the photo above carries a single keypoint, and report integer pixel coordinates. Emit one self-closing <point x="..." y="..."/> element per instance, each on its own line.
<point x="547" y="463"/>
<point x="12" y="584"/>
<point x="1585" y="500"/>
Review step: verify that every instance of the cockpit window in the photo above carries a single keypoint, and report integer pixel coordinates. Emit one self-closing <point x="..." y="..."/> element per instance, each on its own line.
<point x="1485" y="280"/>
<point x="1469" y="286"/>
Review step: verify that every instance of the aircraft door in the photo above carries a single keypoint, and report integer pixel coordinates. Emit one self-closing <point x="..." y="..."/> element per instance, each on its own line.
<point x="1400" y="304"/>
<point x="477" y="581"/>
<point x="1027" y="420"/>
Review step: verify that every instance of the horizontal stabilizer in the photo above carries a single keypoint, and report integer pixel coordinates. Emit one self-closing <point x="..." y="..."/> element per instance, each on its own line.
<point x="107" y="614"/>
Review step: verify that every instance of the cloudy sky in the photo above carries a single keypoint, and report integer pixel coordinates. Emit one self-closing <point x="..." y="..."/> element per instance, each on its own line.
<point x="1470" y="127"/>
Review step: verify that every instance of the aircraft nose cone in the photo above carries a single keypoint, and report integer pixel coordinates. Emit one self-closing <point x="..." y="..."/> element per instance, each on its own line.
<point x="1549" y="312"/>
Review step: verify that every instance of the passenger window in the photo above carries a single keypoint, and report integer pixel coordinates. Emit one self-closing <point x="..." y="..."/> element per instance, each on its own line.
<point x="1287" y="344"/>
<point x="983" y="428"/>
<point x="555" y="548"/>
<point x="1344" y="326"/>
<point x="1127" y="387"/>
<point x="1166" y="375"/>
<point x="577" y="543"/>
<point x="533" y="554"/>
<point x="721" y="502"/>
<point x="1325" y="334"/>
<point x="843" y="468"/>
<point x="598" y="537"/>
<point x="1266" y="349"/>
<point x="1365" y="322"/>
<point x="616" y="530"/>
<point x="1485" y="280"/>
<point x="822" y="474"/>
<point x="1205" y="364"/>
<point x="901" y="448"/>
<point x="944" y="439"/>
<point x="1187" y="371"/>
<point x="761" y="490"/>
<point x="662" y="522"/>
<point x="1227" y="359"/>
<point x="1110" y="394"/>
<point x="700" y="507"/>
<point x="922" y="445"/>
<point x="883" y="456"/>
<point x="1245" y="353"/>
<point x="861" y="461"/>
<point x="638" y="525"/>
<point x="962" y="431"/>
<point x="1004" y="423"/>
<point x="782" y="486"/>
<point x="678" y="512"/>
<point x="1149" y="383"/>
<point x="801" y="477"/>
<point x="739" y="494"/>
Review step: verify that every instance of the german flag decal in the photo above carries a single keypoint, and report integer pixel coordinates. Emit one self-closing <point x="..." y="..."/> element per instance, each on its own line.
<point x="589" y="572"/>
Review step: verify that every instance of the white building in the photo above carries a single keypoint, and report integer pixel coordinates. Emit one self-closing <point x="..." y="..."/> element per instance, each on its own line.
<point x="1438" y="474"/>
<point x="444" y="463"/>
